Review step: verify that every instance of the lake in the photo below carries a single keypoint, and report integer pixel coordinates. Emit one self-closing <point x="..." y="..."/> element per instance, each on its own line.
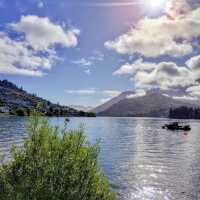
<point x="142" y="160"/>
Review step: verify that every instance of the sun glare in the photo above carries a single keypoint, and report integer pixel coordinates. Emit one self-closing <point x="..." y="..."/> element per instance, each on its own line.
<point x="156" y="3"/>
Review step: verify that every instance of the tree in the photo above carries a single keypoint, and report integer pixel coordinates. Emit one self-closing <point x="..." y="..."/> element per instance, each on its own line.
<point x="185" y="113"/>
<point x="1" y="102"/>
<point x="91" y="114"/>
<point x="20" y="112"/>
<point x="54" y="165"/>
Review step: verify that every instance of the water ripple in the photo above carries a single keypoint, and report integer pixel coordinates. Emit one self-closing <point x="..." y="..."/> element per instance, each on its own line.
<point x="141" y="160"/>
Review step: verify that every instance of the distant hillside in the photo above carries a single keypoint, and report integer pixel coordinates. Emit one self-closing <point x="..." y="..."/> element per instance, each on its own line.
<point x="111" y="102"/>
<point x="83" y="108"/>
<point x="153" y="104"/>
<point x="15" y="100"/>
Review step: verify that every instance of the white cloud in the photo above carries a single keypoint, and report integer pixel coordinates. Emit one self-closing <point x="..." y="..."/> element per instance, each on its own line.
<point x="81" y="92"/>
<point x="176" y="33"/>
<point x="40" y="4"/>
<point x="17" y="58"/>
<point x="104" y="95"/>
<point x="42" y="34"/>
<point x="104" y="100"/>
<point x="194" y="65"/>
<point x="166" y="75"/>
<point x="160" y="36"/>
<point x="108" y="95"/>
<point x="98" y="56"/>
<point x="86" y="63"/>
<point x="166" y="95"/>
<point x="138" y="65"/>
<point x="163" y="75"/>
<point x="83" y="62"/>
<point x="90" y="61"/>
<point x="111" y="93"/>
<point x="138" y="93"/>
<point x="87" y="71"/>
<point x="190" y="98"/>
<point x="28" y="55"/>
<point x="194" y="91"/>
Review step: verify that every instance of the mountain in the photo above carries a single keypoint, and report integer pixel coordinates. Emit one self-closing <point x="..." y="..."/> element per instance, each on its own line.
<point x="15" y="100"/>
<point x="153" y="104"/>
<point x="83" y="108"/>
<point x="111" y="102"/>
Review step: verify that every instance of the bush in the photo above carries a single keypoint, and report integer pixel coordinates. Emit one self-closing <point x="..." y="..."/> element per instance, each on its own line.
<point x="53" y="165"/>
<point x="1" y="102"/>
<point x="91" y="114"/>
<point x="18" y="111"/>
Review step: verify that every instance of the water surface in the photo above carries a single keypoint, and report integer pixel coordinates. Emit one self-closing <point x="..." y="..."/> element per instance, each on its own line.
<point x="142" y="160"/>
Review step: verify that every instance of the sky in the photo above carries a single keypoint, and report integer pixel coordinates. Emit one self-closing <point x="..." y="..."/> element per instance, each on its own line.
<point x="84" y="52"/>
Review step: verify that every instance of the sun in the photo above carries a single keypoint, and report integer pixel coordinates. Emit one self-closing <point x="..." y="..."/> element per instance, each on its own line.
<point x="155" y="4"/>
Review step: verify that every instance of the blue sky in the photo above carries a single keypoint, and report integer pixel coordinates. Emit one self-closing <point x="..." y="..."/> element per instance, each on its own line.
<point x="86" y="52"/>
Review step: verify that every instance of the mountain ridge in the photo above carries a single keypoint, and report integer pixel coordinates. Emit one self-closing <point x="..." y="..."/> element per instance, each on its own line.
<point x="17" y="101"/>
<point x="152" y="104"/>
<point x="114" y="100"/>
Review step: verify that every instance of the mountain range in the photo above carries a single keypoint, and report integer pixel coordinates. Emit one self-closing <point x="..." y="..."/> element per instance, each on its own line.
<point x="81" y="107"/>
<point x="15" y="100"/>
<point x="152" y="104"/>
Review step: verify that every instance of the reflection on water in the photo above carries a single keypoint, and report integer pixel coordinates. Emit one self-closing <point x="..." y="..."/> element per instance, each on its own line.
<point x="141" y="160"/>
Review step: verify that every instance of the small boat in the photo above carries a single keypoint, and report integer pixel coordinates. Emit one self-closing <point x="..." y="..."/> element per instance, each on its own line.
<point x="176" y="126"/>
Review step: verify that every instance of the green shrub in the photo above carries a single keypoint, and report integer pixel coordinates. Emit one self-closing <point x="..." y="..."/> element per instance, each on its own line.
<point x="18" y="112"/>
<point x="53" y="165"/>
<point x="91" y="114"/>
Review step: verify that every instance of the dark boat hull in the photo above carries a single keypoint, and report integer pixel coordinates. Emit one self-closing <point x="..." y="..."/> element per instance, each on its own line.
<point x="176" y="128"/>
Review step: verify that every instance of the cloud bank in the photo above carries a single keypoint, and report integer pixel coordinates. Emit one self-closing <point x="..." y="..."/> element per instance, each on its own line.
<point x="164" y="40"/>
<point x="33" y="50"/>
<point x="160" y="36"/>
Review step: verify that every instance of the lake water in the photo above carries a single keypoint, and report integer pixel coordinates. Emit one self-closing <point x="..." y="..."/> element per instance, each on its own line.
<point x="142" y="160"/>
